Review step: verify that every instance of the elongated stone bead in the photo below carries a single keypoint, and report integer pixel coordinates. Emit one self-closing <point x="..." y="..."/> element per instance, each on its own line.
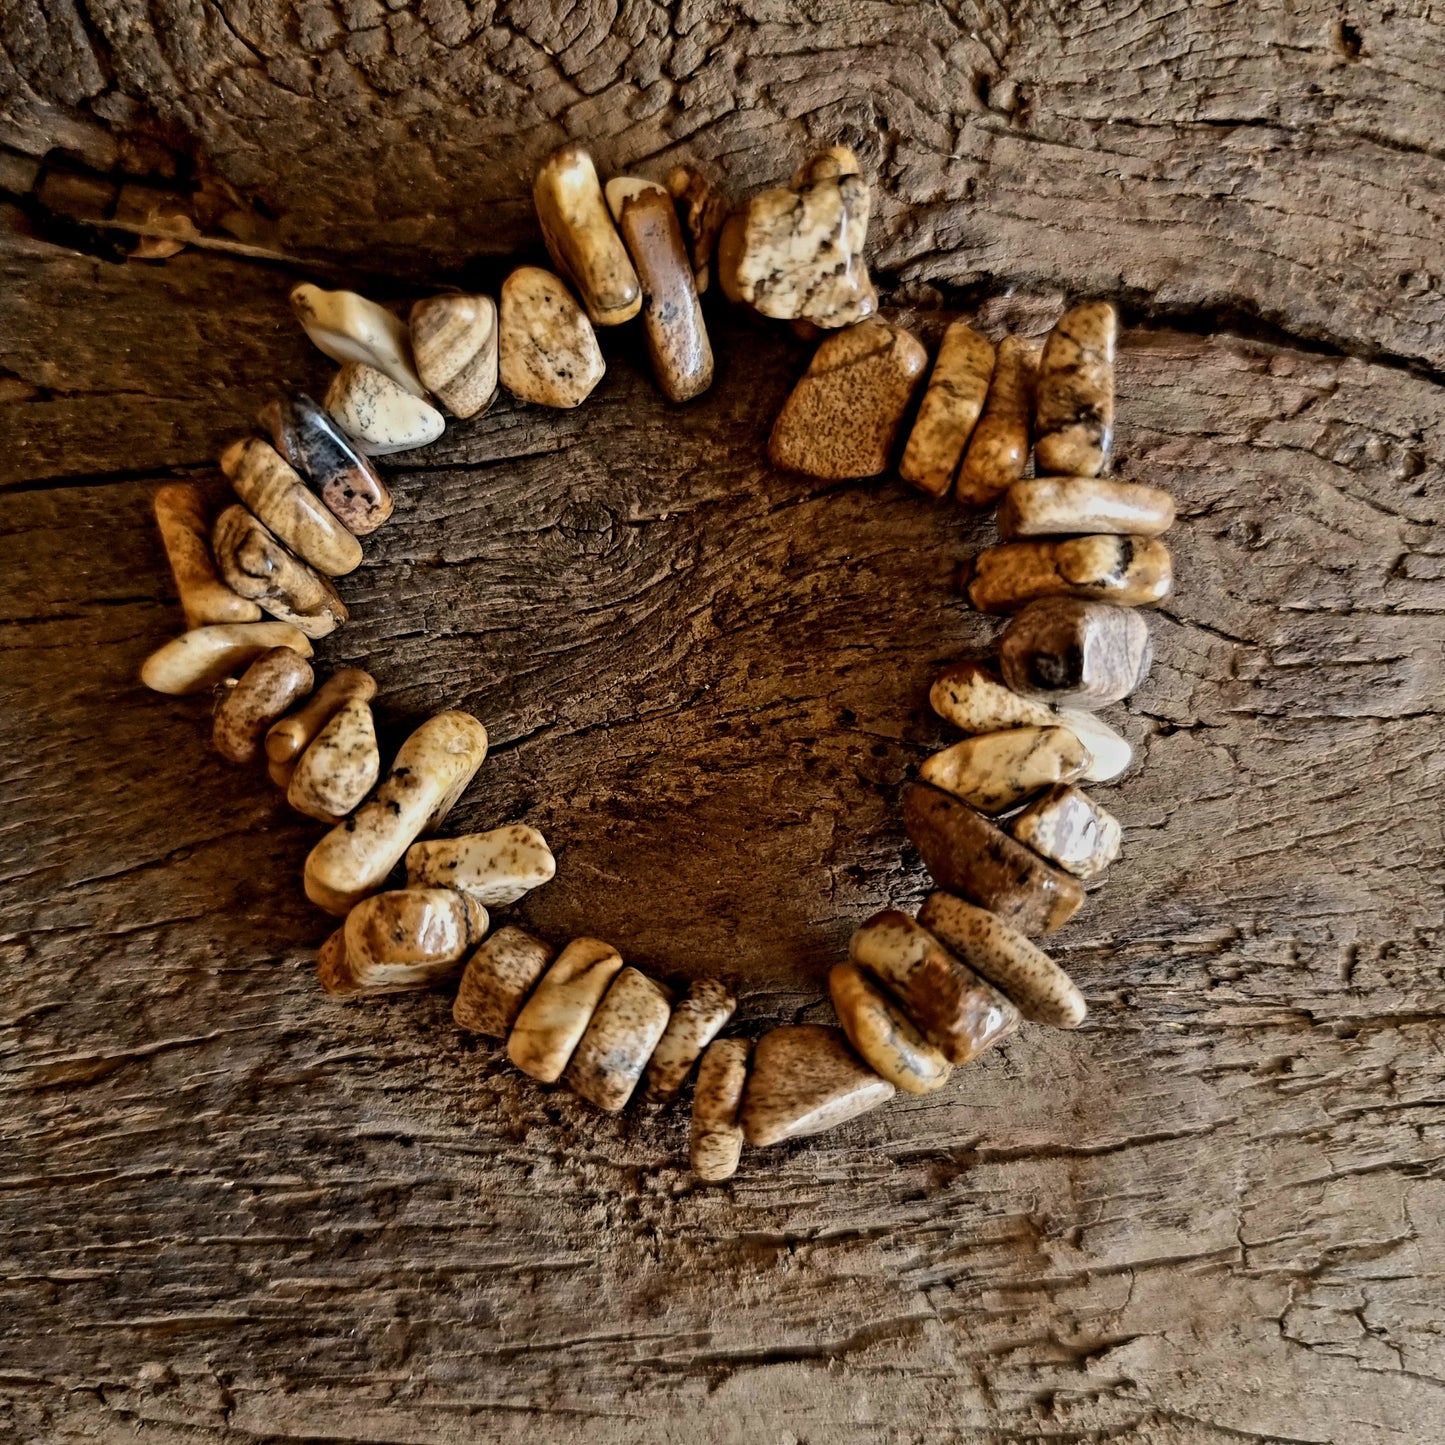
<point x="695" y="1022"/>
<point x="621" y="189"/>
<point x="378" y="415"/>
<point x="883" y="1034"/>
<point x="290" y="737"/>
<point x="1064" y="506"/>
<point x="201" y="658"/>
<point x="349" y="328"/>
<point x="409" y="938"/>
<point x="995" y="771"/>
<point x="180" y="510"/>
<point x="619" y="1039"/>
<point x="998" y="450"/>
<point x="255" y="564"/>
<point x="265" y="690"/>
<point x="548" y="352"/>
<point x="805" y="1078"/>
<point x="496" y="868"/>
<point x="1016" y="966"/>
<point x="1083" y="654"/>
<point x="554" y="1019"/>
<point x="1109" y="752"/>
<point x="702" y="212"/>
<point x="432" y="768"/>
<point x="454" y="340"/>
<point x="337" y="771"/>
<point x="970" y="697"/>
<point x="1125" y="571"/>
<point x="1067" y="827"/>
<point x="971" y="856"/>
<point x="498" y="978"/>
<point x="715" y="1142"/>
<point x="957" y="389"/>
<point x="581" y="239"/>
<point x="1074" y="411"/>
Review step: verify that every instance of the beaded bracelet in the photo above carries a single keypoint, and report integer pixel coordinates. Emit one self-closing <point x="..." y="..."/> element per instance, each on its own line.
<point x="998" y="818"/>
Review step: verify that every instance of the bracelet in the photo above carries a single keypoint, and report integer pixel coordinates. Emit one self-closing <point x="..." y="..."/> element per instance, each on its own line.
<point x="999" y="818"/>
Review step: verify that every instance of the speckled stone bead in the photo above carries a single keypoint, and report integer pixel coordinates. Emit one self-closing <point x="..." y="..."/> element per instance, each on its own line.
<point x="805" y="1078"/>
<point x="1016" y="966"/>
<point x="1109" y="752"/>
<point x="290" y="737"/>
<point x="1067" y="827"/>
<point x="180" y="510"/>
<point x="454" y="340"/>
<point x="1074" y="409"/>
<point x="1066" y="506"/>
<point x="378" y="415"/>
<point x="695" y="1022"/>
<point x="338" y="770"/>
<point x="554" y="1019"/>
<point x="1069" y="652"/>
<point x="409" y="938"/>
<point x="996" y="771"/>
<point x="998" y="450"/>
<point x="1125" y="571"/>
<point x="971" y="856"/>
<point x="970" y="697"/>
<point x="205" y="656"/>
<point x="348" y="328"/>
<point x="702" y="211"/>
<point x="498" y="978"/>
<point x="957" y="389"/>
<point x="548" y="352"/>
<point x="844" y="414"/>
<point x="496" y="868"/>
<point x="271" y="684"/>
<point x="619" y="1040"/>
<point x="715" y="1143"/>
<point x="255" y="564"/>
<point x="883" y="1034"/>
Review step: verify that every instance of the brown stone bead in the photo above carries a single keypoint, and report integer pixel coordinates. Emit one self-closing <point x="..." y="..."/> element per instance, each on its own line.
<point x="995" y="771"/>
<point x="957" y="389"/>
<point x="410" y="938"/>
<point x="1067" y="506"/>
<point x="498" y="978"/>
<point x="331" y="970"/>
<point x="1074" y="406"/>
<point x="703" y="211"/>
<point x="265" y="690"/>
<point x="716" y="1138"/>
<point x="619" y="1039"/>
<point x="973" y="857"/>
<point x="883" y="1034"/>
<point x="969" y="696"/>
<point x="180" y="510"/>
<point x="1064" y="651"/>
<point x="290" y="737"/>
<point x="257" y="566"/>
<point x="804" y="1079"/>
<point x="1125" y="571"/>
<point x="547" y="351"/>
<point x="844" y="414"/>
<point x="701" y="1015"/>
<point x="998" y="450"/>
<point x="454" y="340"/>
<point x="1069" y="828"/>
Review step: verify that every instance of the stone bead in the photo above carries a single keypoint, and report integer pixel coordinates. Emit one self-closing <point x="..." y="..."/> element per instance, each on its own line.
<point x="804" y="1079"/>
<point x="1064" y="506"/>
<point x="331" y="970"/>
<point x="1109" y="753"/>
<point x="548" y="351"/>
<point x="1074" y="410"/>
<point x="883" y="1034"/>
<point x="995" y="771"/>
<point x="205" y="656"/>
<point x="954" y="1008"/>
<point x="290" y="737"/>
<point x="695" y="1022"/>
<point x="432" y="768"/>
<point x="278" y="498"/>
<point x="409" y="938"/>
<point x="703" y="213"/>
<point x="957" y="388"/>
<point x="322" y="453"/>
<point x="1125" y="571"/>
<point x="998" y="450"/>
<point x="180" y="510"/>
<point x="715" y="1141"/>
<point x="971" y="856"/>
<point x="454" y="340"/>
<point x="619" y="1039"/>
<point x="621" y="189"/>
<point x="1017" y="967"/>
<point x="829" y="164"/>
<point x="1068" y="828"/>
<point x="844" y="414"/>
<point x="349" y="328"/>
<point x="498" y="978"/>
<point x="1069" y="652"/>
<point x="338" y="770"/>
<point x="677" y="341"/>
<point x="378" y="415"/>
<point x="265" y="690"/>
<point x="554" y="1019"/>
<point x="495" y="868"/>
<point x="581" y="239"/>
<point x="970" y="697"/>
<point x="256" y="565"/>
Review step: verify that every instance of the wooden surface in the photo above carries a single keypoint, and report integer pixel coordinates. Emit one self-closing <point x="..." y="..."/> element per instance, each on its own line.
<point x="233" y="1211"/>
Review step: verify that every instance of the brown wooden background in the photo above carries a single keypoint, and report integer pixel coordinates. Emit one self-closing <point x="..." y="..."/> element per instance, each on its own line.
<point x="235" y="1212"/>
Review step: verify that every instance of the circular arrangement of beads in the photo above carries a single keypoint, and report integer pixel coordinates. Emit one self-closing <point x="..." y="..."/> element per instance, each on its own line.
<point x="998" y="818"/>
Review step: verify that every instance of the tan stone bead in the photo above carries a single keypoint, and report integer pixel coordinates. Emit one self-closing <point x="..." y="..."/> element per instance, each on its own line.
<point x="957" y="388"/>
<point x="1109" y="752"/>
<point x="1066" y="506"/>
<point x="695" y="1022"/>
<point x="995" y="771"/>
<point x="581" y="239"/>
<point x="970" y="697"/>
<point x="703" y="211"/>
<point x="410" y="938"/>
<point x="496" y="868"/>
<point x="180" y="510"/>
<point x="1074" y="410"/>
<point x="201" y="658"/>
<point x="378" y="415"/>
<point x="619" y="1039"/>
<point x="716" y="1138"/>
<point x="1016" y="966"/>
<point x="954" y="1008"/>
<point x="1068" y="828"/>
<point x="677" y="341"/>
<point x="432" y="768"/>
<point x="1069" y="652"/>
<point x="290" y="737"/>
<point x="454" y="340"/>
<point x="265" y="690"/>
<point x="498" y="978"/>
<point x="844" y="414"/>
<point x="256" y="565"/>
<point x="554" y="1019"/>
<point x="331" y="971"/>
<point x="349" y="328"/>
<point x="998" y="450"/>
<point x="548" y="352"/>
<point x="288" y="508"/>
<point x="830" y="164"/>
<point x="883" y="1034"/>
<point x="968" y="854"/>
<point x="1125" y="571"/>
<point x="804" y="1079"/>
<point x="338" y="770"/>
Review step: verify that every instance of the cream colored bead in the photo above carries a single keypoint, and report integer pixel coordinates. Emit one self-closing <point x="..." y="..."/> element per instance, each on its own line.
<point x="547" y="350"/>
<point x="201" y="658"/>
<point x="1069" y="828"/>
<point x="554" y="1019"/>
<point x="496" y="868"/>
<point x="290" y="737"/>
<point x="695" y="1022"/>
<point x="337" y="771"/>
<point x="409" y="938"/>
<point x="994" y="771"/>
<point x="619" y="1040"/>
<point x="969" y="696"/>
<point x="883" y="1034"/>
<point x="498" y="978"/>
<point x="348" y="328"/>
<point x="1109" y="752"/>
<point x="378" y="415"/>
<point x="716" y="1137"/>
<point x="186" y="534"/>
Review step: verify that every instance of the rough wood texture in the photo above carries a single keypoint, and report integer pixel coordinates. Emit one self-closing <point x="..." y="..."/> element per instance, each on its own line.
<point x="236" y="1211"/>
